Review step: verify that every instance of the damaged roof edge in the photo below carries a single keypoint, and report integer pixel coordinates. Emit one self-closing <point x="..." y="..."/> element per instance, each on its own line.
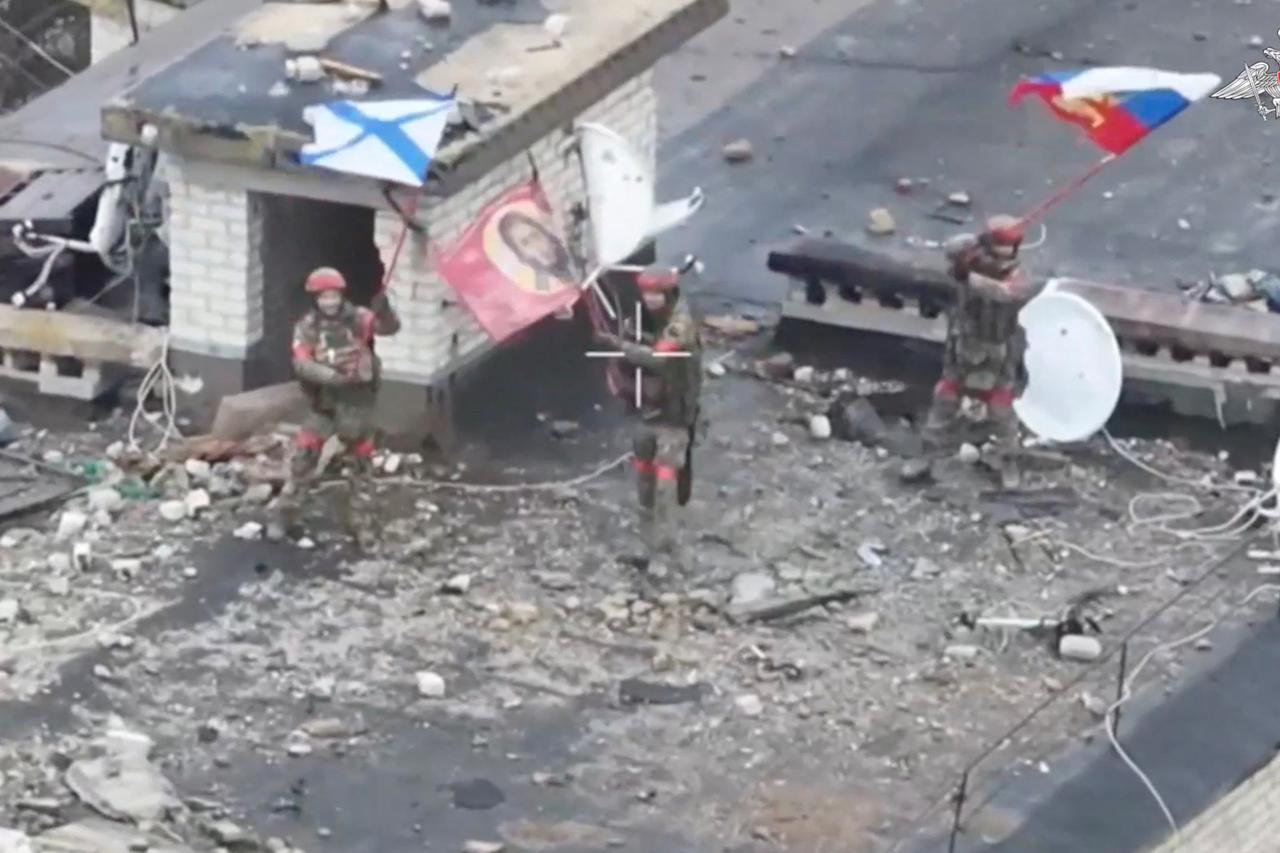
<point x="459" y="164"/>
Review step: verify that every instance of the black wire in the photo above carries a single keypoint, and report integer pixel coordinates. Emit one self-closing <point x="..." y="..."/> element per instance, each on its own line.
<point x="133" y="18"/>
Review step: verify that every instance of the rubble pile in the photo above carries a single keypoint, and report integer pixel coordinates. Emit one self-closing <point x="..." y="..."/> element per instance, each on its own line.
<point x="190" y="640"/>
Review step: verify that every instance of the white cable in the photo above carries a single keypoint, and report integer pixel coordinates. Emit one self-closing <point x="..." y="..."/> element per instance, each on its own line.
<point x="510" y="487"/>
<point x="1127" y="694"/>
<point x="158" y="376"/>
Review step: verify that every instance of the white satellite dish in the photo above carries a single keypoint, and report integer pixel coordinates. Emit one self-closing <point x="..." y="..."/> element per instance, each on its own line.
<point x="620" y="193"/>
<point x="1074" y="368"/>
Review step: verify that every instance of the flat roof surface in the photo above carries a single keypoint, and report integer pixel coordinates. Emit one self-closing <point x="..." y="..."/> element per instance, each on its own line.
<point x="229" y="101"/>
<point x="62" y="128"/>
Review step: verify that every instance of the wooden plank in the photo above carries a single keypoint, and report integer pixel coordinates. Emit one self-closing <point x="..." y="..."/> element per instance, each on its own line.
<point x="91" y="339"/>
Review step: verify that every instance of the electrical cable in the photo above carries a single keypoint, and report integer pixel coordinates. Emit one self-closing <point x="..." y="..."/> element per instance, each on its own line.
<point x="1127" y="694"/>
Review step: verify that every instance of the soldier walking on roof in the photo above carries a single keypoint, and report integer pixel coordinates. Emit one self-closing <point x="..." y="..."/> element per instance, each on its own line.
<point x="335" y="360"/>
<point x="669" y="415"/>
<point x="985" y="345"/>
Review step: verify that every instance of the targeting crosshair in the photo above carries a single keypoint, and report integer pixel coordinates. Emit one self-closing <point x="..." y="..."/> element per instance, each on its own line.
<point x="639" y="370"/>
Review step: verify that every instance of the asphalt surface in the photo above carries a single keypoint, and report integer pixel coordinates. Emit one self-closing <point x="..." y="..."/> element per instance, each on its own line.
<point x="918" y="89"/>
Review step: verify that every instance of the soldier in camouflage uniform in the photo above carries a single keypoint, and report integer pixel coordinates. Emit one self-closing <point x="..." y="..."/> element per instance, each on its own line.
<point x="671" y="388"/>
<point x="335" y="360"/>
<point x="985" y="345"/>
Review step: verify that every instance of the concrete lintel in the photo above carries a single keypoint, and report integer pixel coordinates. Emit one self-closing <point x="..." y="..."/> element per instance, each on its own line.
<point x="315" y="185"/>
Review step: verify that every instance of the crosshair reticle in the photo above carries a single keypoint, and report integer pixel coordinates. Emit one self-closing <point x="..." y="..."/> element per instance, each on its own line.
<point x="639" y="371"/>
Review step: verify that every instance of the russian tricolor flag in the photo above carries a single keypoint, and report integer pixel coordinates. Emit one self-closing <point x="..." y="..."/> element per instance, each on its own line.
<point x="1116" y="106"/>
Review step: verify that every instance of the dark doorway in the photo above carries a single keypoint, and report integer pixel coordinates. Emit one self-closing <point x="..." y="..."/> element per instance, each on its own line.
<point x="299" y="235"/>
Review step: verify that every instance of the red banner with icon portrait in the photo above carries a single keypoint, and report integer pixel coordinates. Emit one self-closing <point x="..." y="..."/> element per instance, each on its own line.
<point x="510" y="266"/>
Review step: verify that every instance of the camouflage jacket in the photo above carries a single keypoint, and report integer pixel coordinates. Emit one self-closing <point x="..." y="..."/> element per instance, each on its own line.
<point x="672" y="386"/>
<point x="332" y="353"/>
<point x="983" y="326"/>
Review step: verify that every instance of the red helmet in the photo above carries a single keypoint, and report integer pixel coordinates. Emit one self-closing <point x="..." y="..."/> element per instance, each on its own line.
<point x="658" y="279"/>
<point x="1005" y="230"/>
<point x="325" y="279"/>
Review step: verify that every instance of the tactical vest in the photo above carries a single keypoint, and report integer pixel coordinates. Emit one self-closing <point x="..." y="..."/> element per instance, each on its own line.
<point x="332" y="337"/>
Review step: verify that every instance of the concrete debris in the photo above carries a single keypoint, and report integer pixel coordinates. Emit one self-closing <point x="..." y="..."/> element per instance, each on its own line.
<point x="1079" y="647"/>
<point x="904" y="186"/>
<point x="557" y="25"/>
<point x="819" y="427"/>
<point x="969" y="454"/>
<point x="869" y="553"/>
<point x="751" y="588"/>
<point x="787" y="52"/>
<point x="248" y="530"/>
<point x="105" y="499"/>
<point x="739" y="151"/>
<point x="564" y="429"/>
<point x="71" y="524"/>
<point x="199" y="470"/>
<point x="173" y="511"/>
<point x="749" y="705"/>
<point x="779" y="439"/>
<point x="457" y="585"/>
<point x="430" y="685"/>
<point x="196" y="501"/>
<point x="1094" y="704"/>
<point x="121" y="783"/>
<point x="436" y="11"/>
<point x="9" y="610"/>
<point x="804" y="374"/>
<point x="716" y="369"/>
<point x="474" y="846"/>
<point x="880" y="222"/>
<point x="95" y="835"/>
<point x="959" y="199"/>
<point x="863" y="623"/>
<point x="259" y="493"/>
<point x="961" y="652"/>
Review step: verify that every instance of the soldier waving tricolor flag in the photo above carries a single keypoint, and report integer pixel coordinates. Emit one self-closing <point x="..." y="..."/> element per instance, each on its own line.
<point x="1116" y="106"/>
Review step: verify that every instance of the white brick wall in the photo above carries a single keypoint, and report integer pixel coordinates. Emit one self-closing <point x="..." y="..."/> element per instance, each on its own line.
<point x="216" y="275"/>
<point x="1246" y="820"/>
<point x="438" y="331"/>
<point x="215" y="268"/>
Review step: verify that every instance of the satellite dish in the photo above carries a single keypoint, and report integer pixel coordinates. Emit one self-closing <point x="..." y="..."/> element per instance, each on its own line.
<point x="620" y="194"/>
<point x="1074" y="369"/>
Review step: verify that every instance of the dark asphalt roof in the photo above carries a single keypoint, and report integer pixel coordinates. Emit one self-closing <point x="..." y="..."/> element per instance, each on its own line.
<point x="222" y="85"/>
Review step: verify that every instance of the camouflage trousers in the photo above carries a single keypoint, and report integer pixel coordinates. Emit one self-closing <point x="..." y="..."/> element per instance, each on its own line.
<point x="944" y="412"/>
<point x="661" y="455"/>
<point x="347" y="415"/>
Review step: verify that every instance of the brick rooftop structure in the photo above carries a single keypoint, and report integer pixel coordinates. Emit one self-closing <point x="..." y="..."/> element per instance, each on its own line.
<point x="246" y="222"/>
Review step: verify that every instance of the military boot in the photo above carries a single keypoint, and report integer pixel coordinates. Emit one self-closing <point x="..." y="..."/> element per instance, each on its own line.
<point x="1007" y="446"/>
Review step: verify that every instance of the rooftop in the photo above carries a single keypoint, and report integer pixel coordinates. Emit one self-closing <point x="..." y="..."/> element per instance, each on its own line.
<point x="230" y="100"/>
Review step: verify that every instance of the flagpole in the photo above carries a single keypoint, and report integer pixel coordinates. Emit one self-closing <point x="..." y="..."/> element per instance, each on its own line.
<point x="1061" y="193"/>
